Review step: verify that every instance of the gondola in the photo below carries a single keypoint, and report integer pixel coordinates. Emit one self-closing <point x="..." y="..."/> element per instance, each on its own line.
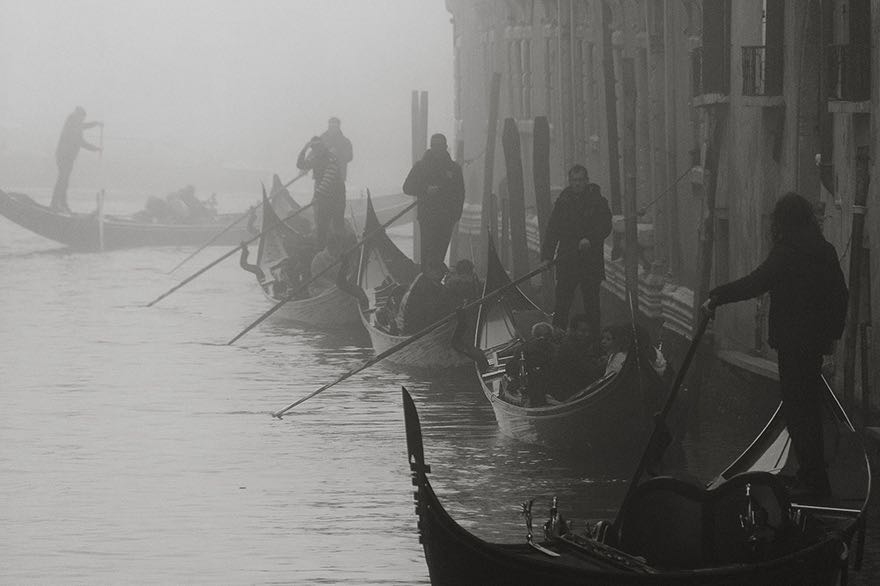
<point x="741" y="529"/>
<point x="590" y="419"/>
<point x="84" y="231"/>
<point x="332" y="308"/>
<point x="384" y="267"/>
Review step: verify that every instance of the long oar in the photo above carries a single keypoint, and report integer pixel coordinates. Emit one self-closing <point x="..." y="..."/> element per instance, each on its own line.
<point x="235" y="222"/>
<point x="420" y="334"/>
<point x="314" y="278"/>
<point x="227" y="255"/>
<point x="660" y="418"/>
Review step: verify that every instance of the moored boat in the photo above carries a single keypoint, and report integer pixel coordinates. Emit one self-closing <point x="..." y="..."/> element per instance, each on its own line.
<point x="589" y="420"/>
<point x="329" y="308"/>
<point x="741" y="529"/>
<point x="384" y="269"/>
<point x="88" y="232"/>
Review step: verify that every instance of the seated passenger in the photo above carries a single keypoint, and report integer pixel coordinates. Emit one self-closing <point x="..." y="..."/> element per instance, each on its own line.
<point x="425" y="301"/>
<point x="615" y="344"/>
<point x="578" y="361"/>
<point x="321" y="264"/>
<point x="462" y="283"/>
<point x="531" y="367"/>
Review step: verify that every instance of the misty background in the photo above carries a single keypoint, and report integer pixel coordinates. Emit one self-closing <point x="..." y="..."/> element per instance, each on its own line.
<point x="218" y="94"/>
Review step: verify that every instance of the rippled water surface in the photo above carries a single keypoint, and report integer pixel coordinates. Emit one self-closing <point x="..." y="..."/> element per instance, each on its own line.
<point x="136" y="447"/>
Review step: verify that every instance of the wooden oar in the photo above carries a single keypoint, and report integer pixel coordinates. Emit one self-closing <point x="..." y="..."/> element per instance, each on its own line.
<point x="660" y="418"/>
<point x="227" y="255"/>
<point x="422" y="333"/>
<point x="314" y="278"/>
<point x="216" y="236"/>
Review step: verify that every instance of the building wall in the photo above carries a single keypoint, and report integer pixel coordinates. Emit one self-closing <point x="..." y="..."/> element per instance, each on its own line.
<point x="767" y="147"/>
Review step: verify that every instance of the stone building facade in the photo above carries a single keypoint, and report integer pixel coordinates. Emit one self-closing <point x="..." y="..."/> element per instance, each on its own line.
<point x="698" y="115"/>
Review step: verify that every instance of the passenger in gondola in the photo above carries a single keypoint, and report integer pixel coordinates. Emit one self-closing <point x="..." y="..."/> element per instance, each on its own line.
<point x="321" y="270"/>
<point x="614" y="344"/>
<point x="530" y="370"/>
<point x="426" y="300"/>
<point x="578" y="361"/>
<point x="462" y="283"/>
<point x="389" y="295"/>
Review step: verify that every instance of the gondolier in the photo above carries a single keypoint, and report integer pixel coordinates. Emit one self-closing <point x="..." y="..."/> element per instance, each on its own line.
<point x="69" y="143"/>
<point x="338" y="144"/>
<point x="437" y="181"/>
<point x="578" y="225"/>
<point x="329" y="194"/>
<point x="808" y="300"/>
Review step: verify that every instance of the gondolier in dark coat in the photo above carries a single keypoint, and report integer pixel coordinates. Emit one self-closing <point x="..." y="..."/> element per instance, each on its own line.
<point x="578" y="225"/>
<point x="69" y="143"/>
<point x="437" y="181"/>
<point x="329" y="188"/>
<point x="808" y="300"/>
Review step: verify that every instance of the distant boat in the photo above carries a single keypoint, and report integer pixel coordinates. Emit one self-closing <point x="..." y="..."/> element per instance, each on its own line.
<point x="742" y="529"/>
<point x="383" y="267"/>
<point x="84" y="232"/>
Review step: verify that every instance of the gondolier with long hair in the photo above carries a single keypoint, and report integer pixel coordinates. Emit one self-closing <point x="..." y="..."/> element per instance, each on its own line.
<point x="329" y="196"/>
<point x="437" y="181"/>
<point x="578" y="225"/>
<point x="69" y="143"/>
<point x="808" y="300"/>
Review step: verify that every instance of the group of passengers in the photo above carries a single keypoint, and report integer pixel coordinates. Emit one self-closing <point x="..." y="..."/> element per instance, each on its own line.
<point x="403" y="310"/>
<point x="302" y="265"/>
<point x="180" y="207"/>
<point x="553" y="366"/>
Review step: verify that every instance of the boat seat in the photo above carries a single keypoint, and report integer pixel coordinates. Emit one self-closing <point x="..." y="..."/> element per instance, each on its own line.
<point x="492" y="374"/>
<point x="677" y="524"/>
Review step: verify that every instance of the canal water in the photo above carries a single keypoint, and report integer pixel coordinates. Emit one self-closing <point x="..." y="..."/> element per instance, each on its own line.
<point x="136" y="447"/>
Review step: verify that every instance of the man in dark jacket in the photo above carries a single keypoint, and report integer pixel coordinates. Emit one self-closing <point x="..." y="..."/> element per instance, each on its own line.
<point x="438" y="183"/>
<point x="69" y="143"/>
<point x="578" y="225"/>
<point x="329" y="195"/>
<point x="808" y="299"/>
<point x="338" y="144"/>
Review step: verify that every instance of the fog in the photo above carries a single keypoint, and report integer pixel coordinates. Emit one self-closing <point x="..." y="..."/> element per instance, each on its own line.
<point x="217" y="93"/>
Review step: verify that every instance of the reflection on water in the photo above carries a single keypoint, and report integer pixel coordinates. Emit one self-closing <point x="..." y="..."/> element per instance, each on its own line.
<point x="137" y="447"/>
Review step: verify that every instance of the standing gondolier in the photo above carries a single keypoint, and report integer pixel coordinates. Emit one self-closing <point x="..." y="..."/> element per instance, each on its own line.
<point x="69" y="143"/>
<point x="338" y="144"/>
<point x="329" y="195"/>
<point x="437" y="181"/>
<point x="578" y="225"/>
<point x="808" y="302"/>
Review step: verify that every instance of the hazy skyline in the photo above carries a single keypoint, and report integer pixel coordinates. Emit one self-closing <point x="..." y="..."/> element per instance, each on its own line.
<point x="230" y="83"/>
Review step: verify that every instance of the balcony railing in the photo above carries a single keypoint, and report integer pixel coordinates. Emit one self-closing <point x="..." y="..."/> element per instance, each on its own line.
<point x="761" y="71"/>
<point x="849" y="72"/>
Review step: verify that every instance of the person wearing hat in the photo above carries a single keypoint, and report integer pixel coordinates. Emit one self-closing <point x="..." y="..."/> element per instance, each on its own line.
<point x="69" y="143"/>
<point x="338" y="144"/>
<point x="437" y="181"/>
<point x="329" y="194"/>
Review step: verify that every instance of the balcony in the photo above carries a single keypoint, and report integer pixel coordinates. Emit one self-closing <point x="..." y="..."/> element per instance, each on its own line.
<point x="709" y="85"/>
<point x="849" y="73"/>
